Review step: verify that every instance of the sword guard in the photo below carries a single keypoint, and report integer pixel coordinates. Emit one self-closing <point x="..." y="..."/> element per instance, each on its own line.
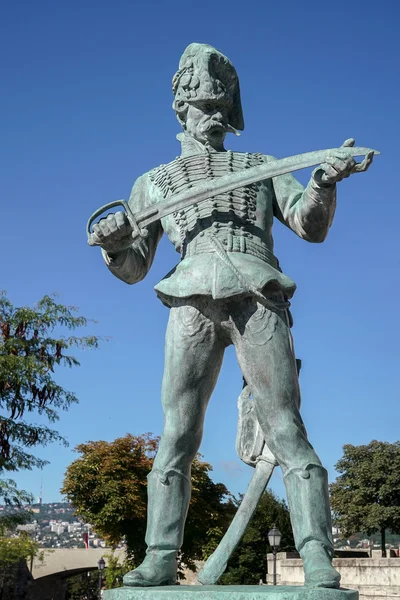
<point x="136" y="230"/>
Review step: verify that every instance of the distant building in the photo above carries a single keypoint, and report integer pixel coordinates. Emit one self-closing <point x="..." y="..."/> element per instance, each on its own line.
<point x="30" y="527"/>
<point x="58" y="527"/>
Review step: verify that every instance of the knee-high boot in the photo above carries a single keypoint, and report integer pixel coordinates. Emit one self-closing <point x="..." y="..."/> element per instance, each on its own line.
<point x="307" y="492"/>
<point x="168" y="501"/>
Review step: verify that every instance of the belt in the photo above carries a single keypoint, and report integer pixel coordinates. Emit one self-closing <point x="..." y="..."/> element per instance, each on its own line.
<point x="231" y="243"/>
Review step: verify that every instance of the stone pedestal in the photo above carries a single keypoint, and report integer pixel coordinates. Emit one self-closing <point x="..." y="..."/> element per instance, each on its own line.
<point x="228" y="592"/>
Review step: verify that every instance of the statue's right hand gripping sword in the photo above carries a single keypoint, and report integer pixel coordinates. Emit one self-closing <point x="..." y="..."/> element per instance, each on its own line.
<point x="133" y="220"/>
<point x="227" y="183"/>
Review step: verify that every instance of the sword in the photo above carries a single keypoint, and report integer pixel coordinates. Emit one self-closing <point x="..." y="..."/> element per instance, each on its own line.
<point x="252" y="449"/>
<point x="226" y="183"/>
<point x="216" y="564"/>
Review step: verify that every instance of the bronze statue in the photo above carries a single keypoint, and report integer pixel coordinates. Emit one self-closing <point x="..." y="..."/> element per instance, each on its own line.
<point x="217" y="208"/>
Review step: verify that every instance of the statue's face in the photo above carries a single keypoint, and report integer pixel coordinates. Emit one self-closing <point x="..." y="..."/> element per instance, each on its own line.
<point x="207" y="121"/>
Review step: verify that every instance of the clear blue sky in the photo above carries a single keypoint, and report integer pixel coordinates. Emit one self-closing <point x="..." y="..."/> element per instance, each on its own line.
<point x="86" y="108"/>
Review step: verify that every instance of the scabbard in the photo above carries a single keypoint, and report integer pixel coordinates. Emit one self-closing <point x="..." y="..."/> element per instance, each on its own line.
<point x="217" y="562"/>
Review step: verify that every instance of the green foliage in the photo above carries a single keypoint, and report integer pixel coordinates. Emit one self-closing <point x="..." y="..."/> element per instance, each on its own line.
<point x="31" y="348"/>
<point x="366" y="495"/>
<point x="12" y="496"/>
<point x="107" y="485"/>
<point x="83" y="587"/>
<point x="15" y="549"/>
<point x="248" y="563"/>
<point x="9" y="522"/>
<point x="28" y="357"/>
<point x="116" y="570"/>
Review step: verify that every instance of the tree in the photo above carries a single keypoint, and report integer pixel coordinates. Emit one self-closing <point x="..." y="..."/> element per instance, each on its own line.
<point x="83" y="586"/>
<point x="107" y="486"/>
<point x="366" y="496"/>
<point x="14" y="552"/>
<point x="116" y="568"/>
<point x="248" y="563"/>
<point x="31" y="348"/>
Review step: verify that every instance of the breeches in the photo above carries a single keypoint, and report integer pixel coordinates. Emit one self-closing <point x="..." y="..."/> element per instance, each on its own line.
<point x="199" y="330"/>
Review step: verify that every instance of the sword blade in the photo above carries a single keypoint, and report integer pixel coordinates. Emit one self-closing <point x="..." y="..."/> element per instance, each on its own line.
<point x="226" y="183"/>
<point x="216" y="564"/>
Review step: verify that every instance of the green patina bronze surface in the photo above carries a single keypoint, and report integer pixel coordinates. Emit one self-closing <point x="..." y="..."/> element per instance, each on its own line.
<point x="229" y="592"/>
<point x="227" y="289"/>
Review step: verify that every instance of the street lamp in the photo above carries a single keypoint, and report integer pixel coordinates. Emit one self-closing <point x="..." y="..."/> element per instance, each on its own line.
<point x="274" y="539"/>
<point x="101" y="565"/>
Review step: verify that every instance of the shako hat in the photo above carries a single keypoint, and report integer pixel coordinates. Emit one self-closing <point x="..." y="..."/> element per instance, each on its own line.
<point x="205" y="74"/>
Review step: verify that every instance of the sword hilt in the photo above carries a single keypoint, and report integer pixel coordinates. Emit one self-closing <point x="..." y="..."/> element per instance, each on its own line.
<point x="136" y="230"/>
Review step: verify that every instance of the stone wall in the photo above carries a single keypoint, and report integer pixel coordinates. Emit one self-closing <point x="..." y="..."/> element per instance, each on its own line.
<point x="70" y="559"/>
<point x="374" y="578"/>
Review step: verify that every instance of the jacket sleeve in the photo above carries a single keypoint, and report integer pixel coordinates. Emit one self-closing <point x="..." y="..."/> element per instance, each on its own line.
<point x="307" y="211"/>
<point x="133" y="264"/>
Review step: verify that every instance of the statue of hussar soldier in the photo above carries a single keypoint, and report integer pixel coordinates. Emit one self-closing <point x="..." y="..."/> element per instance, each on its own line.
<point x="226" y="289"/>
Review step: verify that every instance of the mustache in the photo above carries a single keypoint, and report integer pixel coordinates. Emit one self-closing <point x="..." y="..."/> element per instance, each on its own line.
<point x="212" y="124"/>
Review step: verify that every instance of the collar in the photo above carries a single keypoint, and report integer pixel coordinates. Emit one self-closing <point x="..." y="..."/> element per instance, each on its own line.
<point x="191" y="146"/>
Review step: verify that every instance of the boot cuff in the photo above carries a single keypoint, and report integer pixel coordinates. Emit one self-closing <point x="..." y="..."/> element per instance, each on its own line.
<point x="165" y="476"/>
<point x="305" y="472"/>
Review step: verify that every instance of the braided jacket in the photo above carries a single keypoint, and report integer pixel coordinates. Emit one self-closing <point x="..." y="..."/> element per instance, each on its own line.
<point x="239" y="223"/>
